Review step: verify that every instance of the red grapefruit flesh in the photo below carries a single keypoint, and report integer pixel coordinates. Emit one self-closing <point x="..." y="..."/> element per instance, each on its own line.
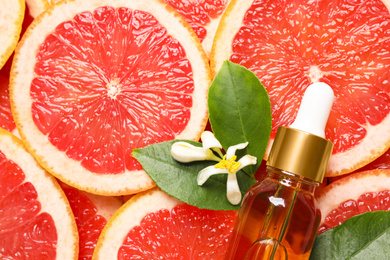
<point x="352" y="195"/>
<point x="91" y="214"/>
<point x="290" y="45"/>
<point x="153" y="225"/>
<point x="104" y="79"/>
<point x="203" y="16"/>
<point x="6" y="119"/>
<point x="35" y="218"/>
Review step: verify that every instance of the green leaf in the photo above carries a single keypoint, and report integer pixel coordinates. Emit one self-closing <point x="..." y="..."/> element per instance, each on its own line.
<point x="179" y="179"/>
<point x="365" y="236"/>
<point x="240" y="111"/>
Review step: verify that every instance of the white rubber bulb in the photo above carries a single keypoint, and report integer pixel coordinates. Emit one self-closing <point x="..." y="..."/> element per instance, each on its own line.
<point x="314" y="110"/>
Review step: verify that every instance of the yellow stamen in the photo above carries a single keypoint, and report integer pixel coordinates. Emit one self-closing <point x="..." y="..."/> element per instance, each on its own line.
<point x="230" y="164"/>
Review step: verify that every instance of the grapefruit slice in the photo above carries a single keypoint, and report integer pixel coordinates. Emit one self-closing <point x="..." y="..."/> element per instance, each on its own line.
<point x="290" y="45"/>
<point x="352" y="195"/>
<point x="91" y="214"/>
<point x="203" y="16"/>
<point x="153" y="225"/>
<point x="11" y="19"/>
<point x="93" y="80"/>
<point x="36" y="221"/>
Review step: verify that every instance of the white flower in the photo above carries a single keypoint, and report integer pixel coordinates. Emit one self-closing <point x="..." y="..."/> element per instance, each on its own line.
<point x="229" y="165"/>
<point x="185" y="152"/>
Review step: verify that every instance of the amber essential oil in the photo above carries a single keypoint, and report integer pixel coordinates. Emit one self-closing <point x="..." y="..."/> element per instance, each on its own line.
<point x="278" y="217"/>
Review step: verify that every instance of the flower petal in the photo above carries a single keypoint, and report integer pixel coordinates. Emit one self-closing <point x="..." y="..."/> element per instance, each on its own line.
<point x="205" y="174"/>
<point x="231" y="151"/>
<point x="209" y="140"/>
<point x="186" y="152"/>
<point x="247" y="160"/>
<point x="233" y="192"/>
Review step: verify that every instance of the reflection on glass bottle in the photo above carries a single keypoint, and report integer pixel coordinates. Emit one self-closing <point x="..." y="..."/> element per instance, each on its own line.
<point x="278" y="217"/>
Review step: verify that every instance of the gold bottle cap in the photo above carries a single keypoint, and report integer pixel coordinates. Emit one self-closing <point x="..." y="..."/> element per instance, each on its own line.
<point x="302" y="148"/>
<point x="301" y="153"/>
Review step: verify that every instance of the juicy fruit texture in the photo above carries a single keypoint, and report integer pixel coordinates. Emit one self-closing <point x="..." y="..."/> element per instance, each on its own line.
<point x="355" y="194"/>
<point x="290" y="45"/>
<point x="105" y="81"/>
<point x="162" y="230"/>
<point x="199" y="13"/>
<point x="202" y="15"/>
<point x="11" y="19"/>
<point x="91" y="214"/>
<point x="6" y="119"/>
<point x="35" y="220"/>
<point x="22" y="218"/>
<point x="153" y="225"/>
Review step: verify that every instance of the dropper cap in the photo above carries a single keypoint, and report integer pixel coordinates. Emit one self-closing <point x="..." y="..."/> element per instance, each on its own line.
<point x="302" y="148"/>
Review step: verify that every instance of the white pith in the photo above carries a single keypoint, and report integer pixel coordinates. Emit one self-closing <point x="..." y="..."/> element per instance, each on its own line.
<point x="11" y="14"/>
<point x="36" y="7"/>
<point x="106" y="205"/>
<point x="211" y="28"/>
<point x="50" y="157"/>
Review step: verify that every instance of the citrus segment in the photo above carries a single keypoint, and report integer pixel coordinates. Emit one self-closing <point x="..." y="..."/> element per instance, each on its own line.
<point x="35" y="221"/>
<point x="109" y="77"/>
<point x="91" y="214"/>
<point x="290" y="45"/>
<point x="153" y="225"/>
<point x="11" y="19"/>
<point x="354" y="194"/>
<point x="203" y="16"/>
<point x="6" y="119"/>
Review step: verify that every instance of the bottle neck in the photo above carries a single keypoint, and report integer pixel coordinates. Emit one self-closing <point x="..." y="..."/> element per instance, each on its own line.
<point x="291" y="180"/>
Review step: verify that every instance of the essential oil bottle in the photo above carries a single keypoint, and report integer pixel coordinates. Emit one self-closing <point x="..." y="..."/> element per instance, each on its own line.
<point x="279" y="218"/>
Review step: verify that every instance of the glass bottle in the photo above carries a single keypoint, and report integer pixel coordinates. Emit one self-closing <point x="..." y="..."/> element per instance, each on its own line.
<point x="279" y="218"/>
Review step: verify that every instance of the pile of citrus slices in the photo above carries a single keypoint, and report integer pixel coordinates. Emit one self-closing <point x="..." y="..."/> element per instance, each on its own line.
<point x="89" y="81"/>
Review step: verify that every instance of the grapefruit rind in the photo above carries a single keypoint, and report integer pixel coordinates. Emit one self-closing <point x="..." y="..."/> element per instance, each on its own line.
<point x="350" y="188"/>
<point x="50" y="194"/>
<point x="226" y="31"/>
<point x="22" y="74"/>
<point x="11" y="19"/>
<point x="129" y="216"/>
<point x="374" y="144"/>
<point x="211" y="28"/>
